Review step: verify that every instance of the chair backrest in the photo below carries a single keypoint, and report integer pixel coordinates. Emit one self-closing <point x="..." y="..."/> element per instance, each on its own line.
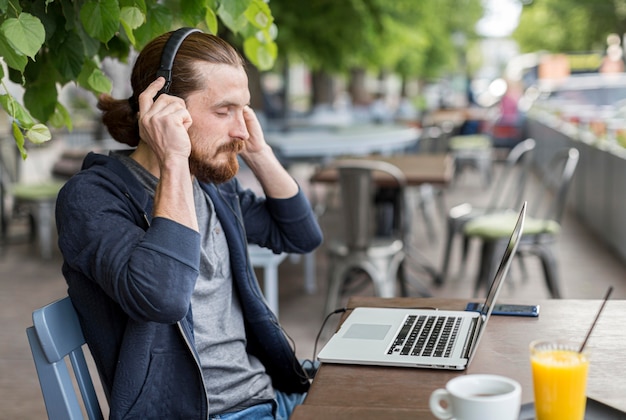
<point x="55" y="336"/>
<point x="357" y="189"/>
<point x="509" y="189"/>
<point x="550" y="199"/>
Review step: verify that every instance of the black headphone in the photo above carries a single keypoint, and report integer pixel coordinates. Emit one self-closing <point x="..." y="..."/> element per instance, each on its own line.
<point x="169" y="53"/>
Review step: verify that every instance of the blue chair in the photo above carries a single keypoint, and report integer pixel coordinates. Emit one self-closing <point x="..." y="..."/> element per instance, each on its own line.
<point x="55" y="335"/>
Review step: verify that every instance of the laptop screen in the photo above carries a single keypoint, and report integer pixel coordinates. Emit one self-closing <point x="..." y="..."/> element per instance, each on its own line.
<point x="505" y="263"/>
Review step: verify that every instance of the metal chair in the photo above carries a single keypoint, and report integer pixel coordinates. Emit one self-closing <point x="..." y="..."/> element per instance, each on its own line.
<point x="473" y="150"/>
<point x="540" y="230"/>
<point x="33" y="199"/>
<point x="434" y="139"/>
<point x="507" y="193"/>
<point x="359" y="249"/>
<point x="55" y="336"/>
<point x="38" y="201"/>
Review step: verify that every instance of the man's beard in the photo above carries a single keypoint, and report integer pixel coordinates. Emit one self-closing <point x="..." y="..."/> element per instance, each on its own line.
<point x="206" y="171"/>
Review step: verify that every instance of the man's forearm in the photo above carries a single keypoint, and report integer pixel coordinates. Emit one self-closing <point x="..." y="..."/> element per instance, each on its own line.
<point x="174" y="194"/>
<point x="273" y="177"/>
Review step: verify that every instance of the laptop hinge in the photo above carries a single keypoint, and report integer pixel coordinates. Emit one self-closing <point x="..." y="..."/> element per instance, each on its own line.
<point x="471" y="337"/>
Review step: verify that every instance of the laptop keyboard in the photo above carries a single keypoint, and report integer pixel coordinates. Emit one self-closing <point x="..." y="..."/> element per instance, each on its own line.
<point x="426" y="335"/>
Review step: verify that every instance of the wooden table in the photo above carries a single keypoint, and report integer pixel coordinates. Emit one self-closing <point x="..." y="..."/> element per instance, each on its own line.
<point x="371" y="392"/>
<point x="418" y="169"/>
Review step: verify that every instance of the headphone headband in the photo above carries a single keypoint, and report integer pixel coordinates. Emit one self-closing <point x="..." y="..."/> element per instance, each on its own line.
<point x="169" y="53"/>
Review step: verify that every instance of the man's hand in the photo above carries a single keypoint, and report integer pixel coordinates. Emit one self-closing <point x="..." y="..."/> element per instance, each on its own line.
<point x="259" y="157"/>
<point x="256" y="141"/>
<point x="163" y="123"/>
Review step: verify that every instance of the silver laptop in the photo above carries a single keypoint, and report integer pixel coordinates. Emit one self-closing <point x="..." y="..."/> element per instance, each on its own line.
<point x="421" y="338"/>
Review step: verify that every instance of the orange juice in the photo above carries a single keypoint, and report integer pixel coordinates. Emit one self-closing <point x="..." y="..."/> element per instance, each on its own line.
<point x="559" y="381"/>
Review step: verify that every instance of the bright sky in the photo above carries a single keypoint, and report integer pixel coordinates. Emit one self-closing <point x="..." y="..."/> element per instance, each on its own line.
<point x="501" y="17"/>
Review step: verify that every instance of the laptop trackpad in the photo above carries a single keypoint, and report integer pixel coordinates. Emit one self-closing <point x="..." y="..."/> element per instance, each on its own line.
<point x="367" y="331"/>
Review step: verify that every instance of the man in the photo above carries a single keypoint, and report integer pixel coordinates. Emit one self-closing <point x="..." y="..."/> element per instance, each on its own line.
<point x="154" y="242"/>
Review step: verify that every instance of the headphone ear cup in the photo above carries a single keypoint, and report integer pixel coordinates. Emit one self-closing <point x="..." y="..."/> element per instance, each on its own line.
<point x="169" y="54"/>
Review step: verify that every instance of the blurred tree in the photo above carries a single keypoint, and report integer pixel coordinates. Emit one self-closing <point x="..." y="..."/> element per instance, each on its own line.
<point x="569" y="25"/>
<point x="353" y="37"/>
<point x="419" y="41"/>
<point x="324" y="35"/>
<point x="48" y="44"/>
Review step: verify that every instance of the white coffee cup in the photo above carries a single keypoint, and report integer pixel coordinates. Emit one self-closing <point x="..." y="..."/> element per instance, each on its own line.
<point x="477" y="397"/>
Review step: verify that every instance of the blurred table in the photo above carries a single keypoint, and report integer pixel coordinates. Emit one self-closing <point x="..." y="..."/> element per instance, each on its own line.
<point x="323" y="143"/>
<point x="418" y="168"/>
<point x="362" y="392"/>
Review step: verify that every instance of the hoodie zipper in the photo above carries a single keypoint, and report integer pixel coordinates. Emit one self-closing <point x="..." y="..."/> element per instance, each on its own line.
<point x="195" y="357"/>
<point x="190" y="347"/>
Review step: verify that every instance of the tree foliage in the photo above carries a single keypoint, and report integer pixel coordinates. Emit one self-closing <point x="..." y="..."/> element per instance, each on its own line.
<point x="46" y="44"/>
<point x="407" y="36"/>
<point x="420" y="35"/>
<point x="569" y="25"/>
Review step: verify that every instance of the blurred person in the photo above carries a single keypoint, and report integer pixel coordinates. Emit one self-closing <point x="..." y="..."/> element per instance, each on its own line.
<point x="154" y="241"/>
<point x="613" y="60"/>
<point x="507" y="129"/>
<point x="508" y="110"/>
<point x="406" y="112"/>
<point x="380" y="112"/>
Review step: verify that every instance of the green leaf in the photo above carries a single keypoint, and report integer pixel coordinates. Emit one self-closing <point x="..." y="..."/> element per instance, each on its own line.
<point x="139" y="4"/>
<point x="99" y="82"/>
<point x="11" y="56"/>
<point x="19" y="139"/>
<point x="92" y="78"/>
<point x="91" y="46"/>
<point x="191" y="10"/>
<point x="16" y="110"/>
<point x="61" y="117"/>
<point x="210" y="18"/>
<point x="25" y="33"/>
<point x="232" y="14"/>
<point x="51" y="17"/>
<point x="259" y="14"/>
<point x="262" y="55"/>
<point x="40" y="98"/>
<point x="131" y="18"/>
<point x="101" y="18"/>
<point x="129" y="32"/>
<point x="68" y="57"/>
<point x="158" y="20"/>
<point x="38" y="134"/>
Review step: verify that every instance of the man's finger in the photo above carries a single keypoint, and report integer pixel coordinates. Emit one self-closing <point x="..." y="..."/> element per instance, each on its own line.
<point x="146" y="97"/>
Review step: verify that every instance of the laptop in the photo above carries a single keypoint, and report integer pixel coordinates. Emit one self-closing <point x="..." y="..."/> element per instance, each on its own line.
<point x="420" y="338"/>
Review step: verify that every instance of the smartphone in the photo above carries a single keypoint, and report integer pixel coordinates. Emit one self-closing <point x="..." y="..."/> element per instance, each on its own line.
<point x="507" y="309"/>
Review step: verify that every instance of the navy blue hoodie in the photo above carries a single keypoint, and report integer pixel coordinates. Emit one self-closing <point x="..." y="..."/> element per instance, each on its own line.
<point x="131" y="277"/>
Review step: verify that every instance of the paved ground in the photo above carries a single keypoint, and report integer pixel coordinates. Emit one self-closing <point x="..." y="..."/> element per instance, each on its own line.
<point x="28" y="282"/>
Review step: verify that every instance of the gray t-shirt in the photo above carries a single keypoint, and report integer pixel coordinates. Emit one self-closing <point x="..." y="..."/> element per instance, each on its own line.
<point x="233" y="379"/>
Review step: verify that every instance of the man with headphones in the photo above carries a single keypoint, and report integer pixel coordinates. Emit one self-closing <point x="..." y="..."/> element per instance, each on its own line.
<point x="154" y="241"/>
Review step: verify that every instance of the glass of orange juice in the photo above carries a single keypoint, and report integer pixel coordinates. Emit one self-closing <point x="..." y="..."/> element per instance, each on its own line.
<point x="559" y="379"/>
